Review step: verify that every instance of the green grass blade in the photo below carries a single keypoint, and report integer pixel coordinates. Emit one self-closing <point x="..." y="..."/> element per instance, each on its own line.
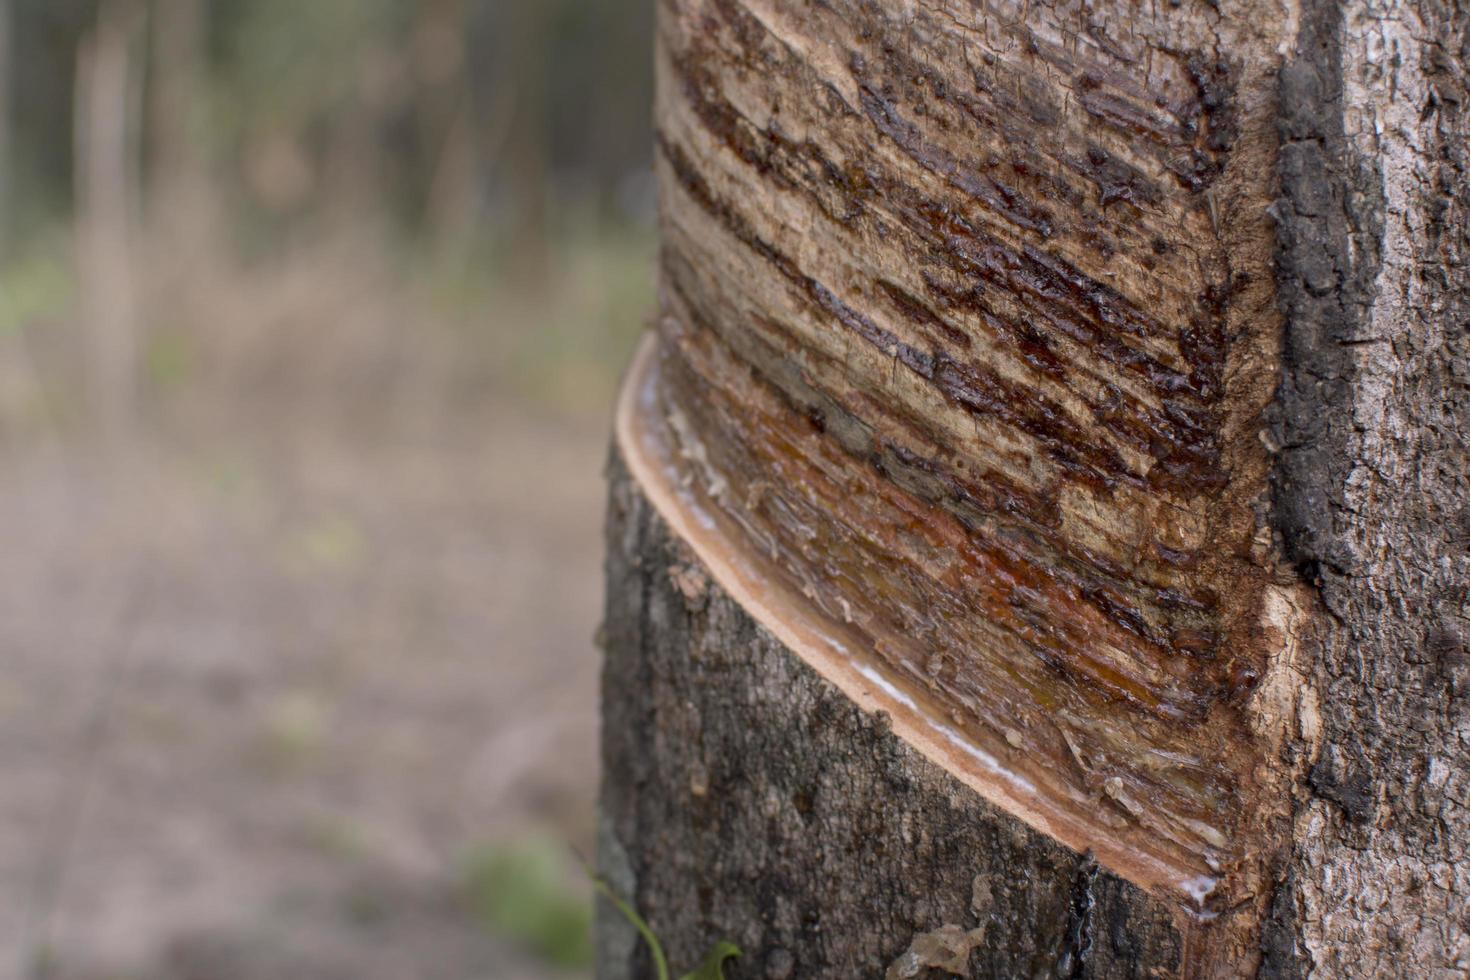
<point x="660" y="962"/>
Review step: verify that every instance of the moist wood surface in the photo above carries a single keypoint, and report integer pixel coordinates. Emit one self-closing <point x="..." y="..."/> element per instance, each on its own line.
<point x="745" y="798"/>
<point x="1104" y="369"/>
<point x="967" y="319"/>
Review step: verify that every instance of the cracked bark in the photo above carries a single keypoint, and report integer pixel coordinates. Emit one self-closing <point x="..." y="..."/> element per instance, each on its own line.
<point x="1372" y="486"/>
<point x="1038" y="538"/>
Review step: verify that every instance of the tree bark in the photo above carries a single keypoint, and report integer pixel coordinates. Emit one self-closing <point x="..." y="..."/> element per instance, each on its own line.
<point x="1038" y="538"/>
<point x="1372" y="483"/>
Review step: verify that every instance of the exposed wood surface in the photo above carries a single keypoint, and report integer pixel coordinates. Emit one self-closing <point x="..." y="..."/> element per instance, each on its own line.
<point x="967" y="322"/>
<point x="745" y="798"/>
<point x="781" y="603"/>
<point x="973" y="320"/>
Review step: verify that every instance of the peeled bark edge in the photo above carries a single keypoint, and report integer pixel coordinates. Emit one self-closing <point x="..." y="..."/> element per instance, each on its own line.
<point x="746" y="798"/>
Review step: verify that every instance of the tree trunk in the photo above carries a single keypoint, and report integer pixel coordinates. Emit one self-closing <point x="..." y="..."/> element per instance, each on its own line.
<point x="179" y="181"/>
<point x="106" y="174"/>
<point x="527" y="146"/>
<point x="1040" y="534"/>
<point x="7" y="121"/>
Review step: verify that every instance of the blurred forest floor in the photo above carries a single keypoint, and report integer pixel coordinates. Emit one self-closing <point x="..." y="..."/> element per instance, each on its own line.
<point x="300" y="672"/>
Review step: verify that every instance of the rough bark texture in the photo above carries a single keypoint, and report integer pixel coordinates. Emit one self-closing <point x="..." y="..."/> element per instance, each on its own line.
<point x="1373" y="485"/>
<point x="745" y="798"/>
<point x="1099" y="372"/>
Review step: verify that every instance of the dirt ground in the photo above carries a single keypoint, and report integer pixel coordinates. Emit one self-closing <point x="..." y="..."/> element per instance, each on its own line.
<point x="275" y="667"/>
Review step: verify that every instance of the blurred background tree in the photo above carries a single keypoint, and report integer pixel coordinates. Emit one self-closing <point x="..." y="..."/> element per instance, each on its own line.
<point x="463" y="135"/>
<point x="417" y="100"/>
<point x="311" y="314"/>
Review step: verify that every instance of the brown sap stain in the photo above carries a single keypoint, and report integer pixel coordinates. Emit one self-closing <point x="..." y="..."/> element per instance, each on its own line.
<point x="953" y="346"/>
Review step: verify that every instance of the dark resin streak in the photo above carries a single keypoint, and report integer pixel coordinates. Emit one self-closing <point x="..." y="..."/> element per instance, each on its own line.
<point x="953" y="355"/>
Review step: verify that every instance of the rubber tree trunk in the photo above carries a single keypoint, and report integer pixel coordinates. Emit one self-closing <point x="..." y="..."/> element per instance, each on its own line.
<point x="106" y="167"/>
<point x="1039" y="538"/>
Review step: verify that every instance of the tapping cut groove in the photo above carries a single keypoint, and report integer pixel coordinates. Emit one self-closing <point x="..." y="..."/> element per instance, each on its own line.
<point x="965" y="330"/>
